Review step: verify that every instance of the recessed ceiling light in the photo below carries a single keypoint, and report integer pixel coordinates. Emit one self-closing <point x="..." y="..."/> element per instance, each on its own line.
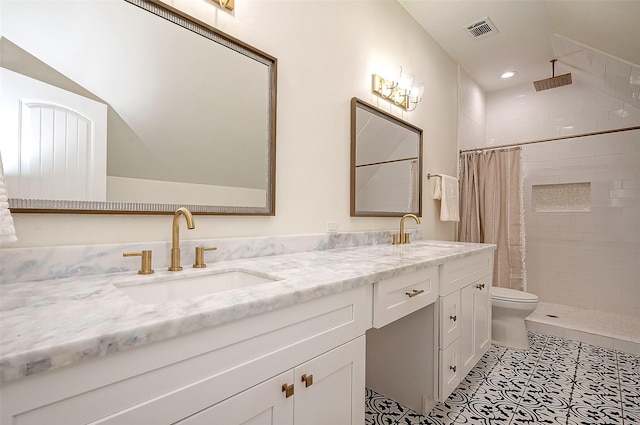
<point x="508" y="74"/>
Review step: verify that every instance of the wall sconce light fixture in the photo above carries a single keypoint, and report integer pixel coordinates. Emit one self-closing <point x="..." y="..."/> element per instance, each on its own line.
<point x="226" y="4"/>
<point x="398" y="88"/>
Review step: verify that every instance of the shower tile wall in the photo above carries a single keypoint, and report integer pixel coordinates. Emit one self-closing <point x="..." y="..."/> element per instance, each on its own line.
<point x="586" y="259"/>
<point x="520" y="113"/>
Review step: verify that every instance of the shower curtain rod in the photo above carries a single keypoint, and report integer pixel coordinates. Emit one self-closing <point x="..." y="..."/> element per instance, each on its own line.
<point x="595" y="133"/>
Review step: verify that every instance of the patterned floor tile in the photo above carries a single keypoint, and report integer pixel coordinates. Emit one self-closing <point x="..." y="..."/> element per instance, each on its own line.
<point x="631" y="418"/>
<point x="380" y="410"/>
<point x="631" y="399"/>
<point x="444" y="414"/>
<point x="539" y="415"/>
<point x="595" y="415"/>
<point x="555" y="382"/>
<point x="553" y="397"/>
<point x="502" y="388"/>
<point x="629" y="370"/>
<point x="596" y="393"/>
<point x="597" y="374"/>
<point x="490" y="412"/>
<point x="557" y="368"/>
<point x="462" y="395"/>
<point x="540" y="375"/>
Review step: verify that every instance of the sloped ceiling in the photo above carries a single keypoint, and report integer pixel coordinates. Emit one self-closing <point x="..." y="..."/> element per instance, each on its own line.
<point x="530" y="33"/>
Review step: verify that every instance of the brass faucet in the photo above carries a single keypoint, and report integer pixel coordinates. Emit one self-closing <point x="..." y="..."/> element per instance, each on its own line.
<point x="175" y="240"/>
<point x="402" y="237"/>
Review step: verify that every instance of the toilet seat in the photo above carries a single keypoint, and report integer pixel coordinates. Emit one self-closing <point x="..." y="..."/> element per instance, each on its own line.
<point x="512" y="295"/>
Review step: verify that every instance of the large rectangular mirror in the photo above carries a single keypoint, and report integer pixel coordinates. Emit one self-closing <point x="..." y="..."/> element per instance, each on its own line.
<point x="386" y="163"/>
<point x="129" y="106"/>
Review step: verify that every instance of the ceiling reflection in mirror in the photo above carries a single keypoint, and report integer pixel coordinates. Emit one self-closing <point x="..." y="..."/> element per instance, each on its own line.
<point x="107" y="107"/>
<point x="386" y="163"/>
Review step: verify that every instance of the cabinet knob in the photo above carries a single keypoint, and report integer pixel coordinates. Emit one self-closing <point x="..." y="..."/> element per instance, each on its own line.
<point x="145" y="265"/>
<point x="307" y="379"/>
<point x="414" y="292"/>
<point x="287" y="390"/>
<point x="453" y="368"/>
<point x="454" y="318"/>
<point x="480" y="286"/>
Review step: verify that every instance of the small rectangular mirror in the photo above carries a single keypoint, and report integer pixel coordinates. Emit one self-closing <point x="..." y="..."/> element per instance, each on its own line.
<point x="386" y="164"/>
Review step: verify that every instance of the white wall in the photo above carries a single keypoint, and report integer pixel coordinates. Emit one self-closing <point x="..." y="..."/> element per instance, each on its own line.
<point x="326" y="52"/>
<point x="472" y="113"/>
<point x="587" y="259"/>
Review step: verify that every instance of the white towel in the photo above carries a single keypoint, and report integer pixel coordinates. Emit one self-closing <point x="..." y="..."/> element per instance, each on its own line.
<point x="446" y="189"/>
<point x="7" y="231"/>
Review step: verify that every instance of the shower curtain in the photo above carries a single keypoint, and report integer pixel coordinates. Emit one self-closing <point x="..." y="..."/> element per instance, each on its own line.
<point x="491" y="210"/>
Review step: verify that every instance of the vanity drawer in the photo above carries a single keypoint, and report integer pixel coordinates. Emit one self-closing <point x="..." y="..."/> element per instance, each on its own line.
<point x="399" y="296"/>
<point x="459" y="273"/>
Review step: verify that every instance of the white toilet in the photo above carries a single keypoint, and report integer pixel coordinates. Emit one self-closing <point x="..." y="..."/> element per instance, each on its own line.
<point x="509" y="308"/>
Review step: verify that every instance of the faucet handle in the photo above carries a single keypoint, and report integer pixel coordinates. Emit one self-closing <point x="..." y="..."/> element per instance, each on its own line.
<point x="199" y="264"/>
<point x="406" y="238"/>
<point x="145" y="267"/>
<point x="396" y="239"/>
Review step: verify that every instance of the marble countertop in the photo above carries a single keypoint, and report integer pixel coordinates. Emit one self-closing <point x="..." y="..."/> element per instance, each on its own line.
<point x="55" y="323"/>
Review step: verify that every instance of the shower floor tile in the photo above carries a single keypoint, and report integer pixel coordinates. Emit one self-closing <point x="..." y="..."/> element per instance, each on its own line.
<point x="592" y="327"/>
<point x="556" y="382"/>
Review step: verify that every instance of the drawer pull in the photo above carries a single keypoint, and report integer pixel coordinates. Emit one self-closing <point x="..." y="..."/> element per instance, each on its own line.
<point x="480" y="286"/>
<point x="453" y="368"/>
<point x="287" y="390"/>
<point x="454" y="318"/>
<point x="414" y="292"/>
<point x="308" y="380"/>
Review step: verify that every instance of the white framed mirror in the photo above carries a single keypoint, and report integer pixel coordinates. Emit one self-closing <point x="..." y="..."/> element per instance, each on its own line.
<point x="130" y="106"/>
<point x="386" y="163"/>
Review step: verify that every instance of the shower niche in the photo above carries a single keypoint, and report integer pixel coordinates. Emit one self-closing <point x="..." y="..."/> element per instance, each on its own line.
<point x="564" y="197"/>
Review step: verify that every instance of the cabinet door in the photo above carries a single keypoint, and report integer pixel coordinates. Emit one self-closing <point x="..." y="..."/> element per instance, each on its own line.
<point x="475" y="333"/>
<point x="330" y="388"/>
<point x="264" y="404"/>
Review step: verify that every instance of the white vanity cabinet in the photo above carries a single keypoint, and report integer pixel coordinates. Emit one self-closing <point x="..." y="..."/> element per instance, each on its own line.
<point x="233" y="373"/>
<point x="465" y="318"/>
<point x="326" y="396"/>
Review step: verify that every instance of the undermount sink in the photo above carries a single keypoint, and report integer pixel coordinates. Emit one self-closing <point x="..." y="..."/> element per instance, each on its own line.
<point x="186" y="287"/>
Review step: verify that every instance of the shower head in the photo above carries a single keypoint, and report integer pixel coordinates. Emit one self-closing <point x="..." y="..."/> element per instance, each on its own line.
<point x="553" y="82"/>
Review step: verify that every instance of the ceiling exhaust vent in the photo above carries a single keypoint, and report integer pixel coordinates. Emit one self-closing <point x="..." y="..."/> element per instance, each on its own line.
<point x="482" y="28"/>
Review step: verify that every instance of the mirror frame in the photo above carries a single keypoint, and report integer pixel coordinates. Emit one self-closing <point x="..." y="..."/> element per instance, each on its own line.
<point x="164" y="11"/>
<point x="357" y="103"/>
